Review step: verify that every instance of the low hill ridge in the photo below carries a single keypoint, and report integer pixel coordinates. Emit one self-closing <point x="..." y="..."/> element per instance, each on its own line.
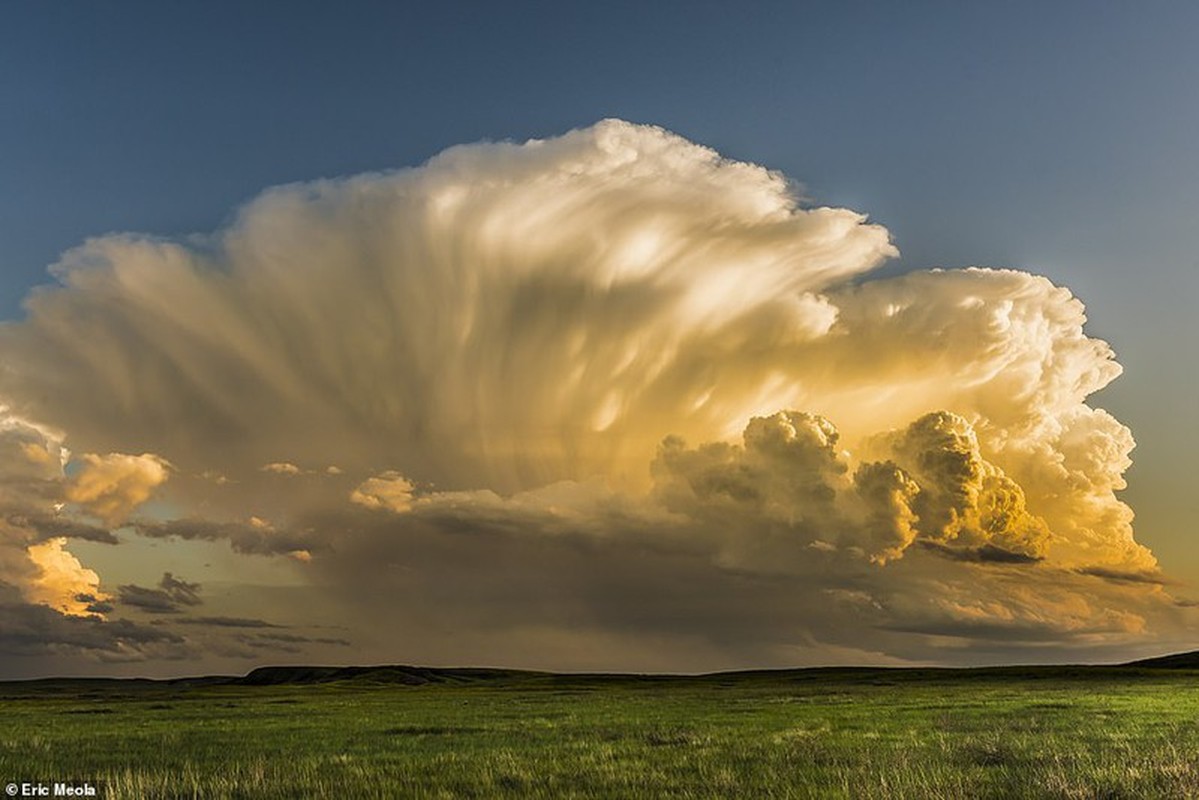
<point x="1189" y="660"/>
<point x="407" y="675"/>
<point x="395" y="674"/>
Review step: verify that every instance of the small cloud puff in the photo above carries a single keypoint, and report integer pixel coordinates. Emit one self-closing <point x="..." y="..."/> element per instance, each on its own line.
<point x="111" y="486"/>
<point x="282" y="468"/>
<point x="389" y="490"/>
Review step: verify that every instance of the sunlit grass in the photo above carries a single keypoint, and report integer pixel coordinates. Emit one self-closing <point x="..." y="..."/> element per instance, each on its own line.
<point x="849" y="735"/>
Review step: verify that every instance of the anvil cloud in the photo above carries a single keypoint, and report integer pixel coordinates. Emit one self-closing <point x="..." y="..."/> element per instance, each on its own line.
<point x="606" y="400"/>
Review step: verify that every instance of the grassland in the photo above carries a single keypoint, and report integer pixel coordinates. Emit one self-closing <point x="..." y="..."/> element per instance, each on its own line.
<point x="1034" y="733"/>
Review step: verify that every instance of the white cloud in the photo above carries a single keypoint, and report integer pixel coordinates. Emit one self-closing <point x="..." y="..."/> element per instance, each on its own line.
<point x="281" y="468"/>
<point x="467" y="323"/>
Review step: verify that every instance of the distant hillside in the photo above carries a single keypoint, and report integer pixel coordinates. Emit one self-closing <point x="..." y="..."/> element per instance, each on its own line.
<point x="1173" y="661"/>
<point x="420" y="676"/>
<point x="404" y="675"/>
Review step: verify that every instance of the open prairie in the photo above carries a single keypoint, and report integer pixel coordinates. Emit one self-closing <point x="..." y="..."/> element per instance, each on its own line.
<point x="1064" y="732"/>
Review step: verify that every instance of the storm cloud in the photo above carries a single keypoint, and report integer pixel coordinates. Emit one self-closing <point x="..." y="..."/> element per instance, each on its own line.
<point x="607" y="399"/>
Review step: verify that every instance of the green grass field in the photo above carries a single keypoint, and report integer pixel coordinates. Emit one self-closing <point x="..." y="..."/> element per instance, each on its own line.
<point x="1035" y="733"/>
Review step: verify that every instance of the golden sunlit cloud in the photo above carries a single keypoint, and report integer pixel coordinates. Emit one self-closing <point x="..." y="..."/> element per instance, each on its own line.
<point x="648" y="396"/>
<point x="62" y="582"/>
<point x="112" y="485"/>
<point x="390" y="490"/>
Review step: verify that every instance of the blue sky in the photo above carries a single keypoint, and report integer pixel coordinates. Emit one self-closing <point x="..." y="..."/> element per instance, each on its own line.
<point x="1057" y="138"/>
<point x="978" y="133"/>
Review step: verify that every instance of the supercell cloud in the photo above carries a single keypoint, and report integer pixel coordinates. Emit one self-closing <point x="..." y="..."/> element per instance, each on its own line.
<point x="606" y="400"/>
